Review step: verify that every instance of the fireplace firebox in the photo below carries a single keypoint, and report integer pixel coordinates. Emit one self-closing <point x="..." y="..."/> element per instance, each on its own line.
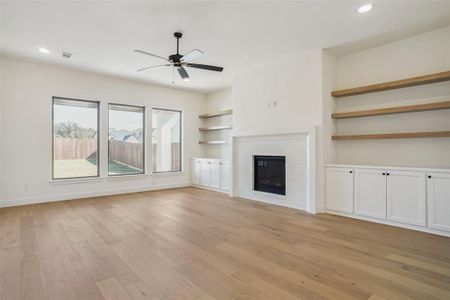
<point x="270" y="174"/>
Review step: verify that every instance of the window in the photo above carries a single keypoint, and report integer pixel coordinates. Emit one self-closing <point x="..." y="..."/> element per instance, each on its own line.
<point x="166" y="140"/>
<point x="75" y="138"/>
<point x="126" y="143"/>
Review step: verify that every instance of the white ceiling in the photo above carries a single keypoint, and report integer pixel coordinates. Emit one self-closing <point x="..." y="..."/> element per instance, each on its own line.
<point x="238" y="36"/>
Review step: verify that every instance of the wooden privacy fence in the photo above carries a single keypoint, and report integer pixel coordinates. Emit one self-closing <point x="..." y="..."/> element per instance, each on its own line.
<point x="74" y="148"/>
<point x="122" y="152"/>
<point x="127" y="153"/>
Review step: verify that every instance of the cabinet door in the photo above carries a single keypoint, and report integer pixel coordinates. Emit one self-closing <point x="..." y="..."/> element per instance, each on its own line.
<point x="339" y="189"/>
<point x="205" y="173"/>
<point x="224" y="176"/>
<point x="195" y="171"/>
<point x="406" y="197"/>
<point x="215" y="175"/>
<point x="438" y="186"/>
<point x="370" y="193"/>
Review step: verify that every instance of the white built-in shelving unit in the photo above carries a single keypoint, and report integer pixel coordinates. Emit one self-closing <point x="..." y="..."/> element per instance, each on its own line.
<point x="208" y="128"/>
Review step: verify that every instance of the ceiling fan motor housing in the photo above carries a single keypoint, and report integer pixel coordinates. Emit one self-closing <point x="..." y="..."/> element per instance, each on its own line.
<point x="175" y="58"/>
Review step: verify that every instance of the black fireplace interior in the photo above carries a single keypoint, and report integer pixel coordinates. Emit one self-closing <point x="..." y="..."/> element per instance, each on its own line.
<point x="270" y="174"/>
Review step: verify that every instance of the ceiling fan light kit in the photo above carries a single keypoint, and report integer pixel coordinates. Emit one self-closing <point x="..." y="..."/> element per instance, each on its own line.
<point x="179" y="61"/>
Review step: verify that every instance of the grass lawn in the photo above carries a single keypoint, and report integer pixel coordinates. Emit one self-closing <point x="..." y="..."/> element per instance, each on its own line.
<point x="116" y="168"/>
<point x="69" y="168"/>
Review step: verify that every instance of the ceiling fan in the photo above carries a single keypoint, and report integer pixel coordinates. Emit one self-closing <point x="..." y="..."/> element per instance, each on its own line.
<point x="179" y="61"/>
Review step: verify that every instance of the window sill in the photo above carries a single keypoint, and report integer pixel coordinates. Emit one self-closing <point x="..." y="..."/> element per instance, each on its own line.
<point x="113" y="178"/>
<point x="96" y="179"/>
<point x="125" y="177"/>
<point x="168" y="174"/>
<point x="75" y="180"/>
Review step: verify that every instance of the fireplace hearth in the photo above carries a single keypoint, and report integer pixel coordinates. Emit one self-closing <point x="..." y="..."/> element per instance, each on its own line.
<point x="270" y="174"/>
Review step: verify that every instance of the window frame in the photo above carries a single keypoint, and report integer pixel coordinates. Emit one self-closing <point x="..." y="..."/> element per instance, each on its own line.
<point x="53" y="138"/>
<point x="181" y="141"/>
<point x="144" y="132"/>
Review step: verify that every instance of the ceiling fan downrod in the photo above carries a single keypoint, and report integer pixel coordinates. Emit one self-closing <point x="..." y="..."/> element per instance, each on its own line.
<point x="178" y="35"/>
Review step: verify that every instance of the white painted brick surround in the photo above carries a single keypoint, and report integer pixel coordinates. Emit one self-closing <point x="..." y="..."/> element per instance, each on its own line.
<point x="294" y="147"/>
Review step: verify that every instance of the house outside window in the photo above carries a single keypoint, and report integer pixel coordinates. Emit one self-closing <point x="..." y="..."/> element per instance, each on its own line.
<point x="166" y="140"/>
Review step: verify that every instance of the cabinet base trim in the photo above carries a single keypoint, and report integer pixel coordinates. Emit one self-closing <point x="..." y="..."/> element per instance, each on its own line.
<point x="386" y="222"/>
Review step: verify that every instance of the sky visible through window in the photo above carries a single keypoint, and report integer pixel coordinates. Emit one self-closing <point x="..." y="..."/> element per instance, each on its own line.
<point x="87" y="117"/>
<point x="83" y="116"/>
<point x="125" y="120"/>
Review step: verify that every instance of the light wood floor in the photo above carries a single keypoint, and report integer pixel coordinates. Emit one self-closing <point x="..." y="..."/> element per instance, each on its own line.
<point x="195" y="244"/>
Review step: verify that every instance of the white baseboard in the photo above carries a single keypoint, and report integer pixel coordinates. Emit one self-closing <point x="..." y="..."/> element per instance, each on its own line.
<point x="72" y="196"/>
<point x="386" y="222"/>
<point x="210" y="189"/>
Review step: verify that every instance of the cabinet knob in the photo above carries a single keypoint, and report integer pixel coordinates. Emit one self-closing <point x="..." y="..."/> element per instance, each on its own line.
<point x="429" y="176"/>
<point x="387" y="174"/>
<point x="351" y="172"/>
<point x="384" y="173"/>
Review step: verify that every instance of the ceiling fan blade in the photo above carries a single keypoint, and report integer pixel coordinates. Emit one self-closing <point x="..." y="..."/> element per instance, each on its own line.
<point x="184" y="75"/>
<point x="154" y="67"/>
<point x="190" y="56"/>
<point x="205" y="67"/>
<point x="150" y="54"/>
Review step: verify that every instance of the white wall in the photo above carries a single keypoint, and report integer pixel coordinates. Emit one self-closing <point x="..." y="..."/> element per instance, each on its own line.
<point x="423" y="54"/>
<point x="27" y="136"/>
<point x="295" y="86"/>
<point x="1" y="128"/>
<point x="217" y="101"/>
<point x="326" y="150"/>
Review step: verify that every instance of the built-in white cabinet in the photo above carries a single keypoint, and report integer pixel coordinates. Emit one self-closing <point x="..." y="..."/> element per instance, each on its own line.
<point x="417" y="198"/>
<point x="390" y="194"/>
<point x="215" y="175"/>
<point x="210" y="173"/>
<point x="370" y="193"/>
<point x="205" y="172"/>
<point x="438" y="189"/>
<point x="339" y="189"/>
<point x="225" y="176"/>
<point x="406" y="197"/>
<point x="195" y="172"/>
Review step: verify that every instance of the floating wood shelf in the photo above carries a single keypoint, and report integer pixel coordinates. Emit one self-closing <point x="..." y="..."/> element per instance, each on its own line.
<point x="404" y="135"/>
<point x="397" y="84"/>
<point x="212" y="142"/>
<point x="216" y="114"/>
<point x="213" y="128"/>
<point x="392" y="110"/>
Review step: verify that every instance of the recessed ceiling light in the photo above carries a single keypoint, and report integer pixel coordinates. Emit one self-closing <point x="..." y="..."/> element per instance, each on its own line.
<point x="43" y="50"/>
<point x="365" y="8"/>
